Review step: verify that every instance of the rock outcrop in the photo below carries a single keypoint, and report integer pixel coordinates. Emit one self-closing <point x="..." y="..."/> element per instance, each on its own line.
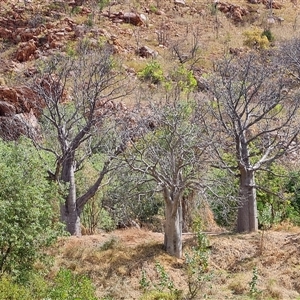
<point x="19" y="111"/>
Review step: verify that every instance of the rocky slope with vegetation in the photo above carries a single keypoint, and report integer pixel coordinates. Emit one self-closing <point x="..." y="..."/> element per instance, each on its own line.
<point x="141" y="110"/>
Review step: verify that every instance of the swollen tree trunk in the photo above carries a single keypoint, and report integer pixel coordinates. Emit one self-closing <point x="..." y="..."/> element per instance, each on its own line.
<point x="247" y="212"/>
<point x="173" y="228"/>
<point x="70" y="213"/>
<point x="73" y="213"/>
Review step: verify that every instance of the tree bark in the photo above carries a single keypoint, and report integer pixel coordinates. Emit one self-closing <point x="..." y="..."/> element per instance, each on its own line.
<point x="69" y="211"/>
<point x="173" y="229"/>
<point x="247" y="212"/>
<point x="73" y="220"/>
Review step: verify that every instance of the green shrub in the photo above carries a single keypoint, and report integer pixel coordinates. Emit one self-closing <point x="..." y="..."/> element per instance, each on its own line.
<point x="13" y="291"/>
<point x="35" y="288"/>
<point x="157" y="295"/>
<point x="68" y="286"/>
<point x="152" y="72"/>
<point x="102" y="4"/>
<point x="25" y="209"/>
<point x="267" y="33"/>
<point x="273" y="197"/>
<point x="185" y="79"/>
<point x="255" y="39"/>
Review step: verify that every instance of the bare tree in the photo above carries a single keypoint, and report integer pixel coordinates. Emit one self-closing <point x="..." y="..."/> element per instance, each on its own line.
<point x="79" y="118"/>
<point x="171" y="151"/>
<point x="289" y="56"/>
<point x="256" y="117"/>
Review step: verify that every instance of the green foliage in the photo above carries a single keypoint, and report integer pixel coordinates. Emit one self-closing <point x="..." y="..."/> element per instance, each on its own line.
<point x="35" y="288"/>
<point x="68" y="286"/>
<point x="106" y="223"/>
<point x="253" y="284"/>
<point x="152" y="72"/>
<point x="268" y="33"/>
<point x="110" y="244"/>
<point x="144" y="282"/>
<point x="153" y="8"/>
<point x="164" y="279"/>
<point x="25" y="209"/>
<point x="90" y="21"/>
<point x="102" y="4"/>
<point x="158" y="295"/>
<point x="164" y="282"/>
<point x="13" y="291"/>
<point x="273" y="199"/>
<point x="293" y="188"/>
<point x="184" y="78"/>
<point x="255" y="39"/>
<point x="76" y="10"/>
<point x="196" y="263"/>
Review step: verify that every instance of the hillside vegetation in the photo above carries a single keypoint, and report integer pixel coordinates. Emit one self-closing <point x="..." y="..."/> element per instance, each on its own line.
<point x="149" y="149"/>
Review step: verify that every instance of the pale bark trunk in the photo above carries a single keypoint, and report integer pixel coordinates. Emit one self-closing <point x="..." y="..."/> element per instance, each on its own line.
<point x="247" y="212"/>
<point x="73" y="216"/>
<point x="173" y="229"/>
<point x="70" y="213"/>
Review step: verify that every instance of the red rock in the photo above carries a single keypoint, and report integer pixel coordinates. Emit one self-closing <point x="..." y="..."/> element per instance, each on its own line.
<point x="147" y="52"/>
<point x="26" y="51"/>
<point x="132" y="18"/>
<point x="5" y="33"/>
<point x="7" y="109"/>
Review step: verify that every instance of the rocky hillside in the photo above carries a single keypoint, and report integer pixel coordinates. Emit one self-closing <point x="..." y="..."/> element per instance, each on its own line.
<point x="171" y="31"/>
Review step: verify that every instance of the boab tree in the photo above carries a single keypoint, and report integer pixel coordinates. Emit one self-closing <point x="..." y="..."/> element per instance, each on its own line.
<point x="255" y="114"/>
<point x="171" y="150"/>
<point x="78" y="116"/>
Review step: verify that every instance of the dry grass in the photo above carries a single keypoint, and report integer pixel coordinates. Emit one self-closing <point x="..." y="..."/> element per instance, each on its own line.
<point x="115" y="262"/>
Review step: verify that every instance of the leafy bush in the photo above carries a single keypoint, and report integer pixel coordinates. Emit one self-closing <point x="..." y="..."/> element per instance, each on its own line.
<point x="269" y="35"/>
<point x="255" y="39"/>
<point x="157" y="295"/>
<point x="185" y="79"/>
<point x="293" y="188"/>
<point x="152" y="72"/>
<point x="69" y="286"/>
<point x="66" y="286"/>
<point x="25" y="209"/>
<point x="13" y="291"/>
<point x="196" y="263"/>
<point x="273" y="197"/>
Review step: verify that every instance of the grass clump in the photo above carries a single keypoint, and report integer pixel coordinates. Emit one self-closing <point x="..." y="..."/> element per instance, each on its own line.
<point x="159" y="295"/>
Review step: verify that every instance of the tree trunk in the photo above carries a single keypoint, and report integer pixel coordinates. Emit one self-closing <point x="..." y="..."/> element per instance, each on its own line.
<point x="70" y="214"/>
<point x="247" y="212"/>
<point x="173" y="229"/>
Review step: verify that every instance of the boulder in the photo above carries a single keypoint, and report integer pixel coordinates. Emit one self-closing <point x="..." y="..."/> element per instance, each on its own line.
<point x="179" y="2"/>
<point x="26" y="51"/>
<point x="7" y="109"/>
<point x="132" y="18"/>
<point x="19" y="111"/>
<point x="22" y="98"/>
<point x="147" y="52"/>
<point x="5" y="33"/>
